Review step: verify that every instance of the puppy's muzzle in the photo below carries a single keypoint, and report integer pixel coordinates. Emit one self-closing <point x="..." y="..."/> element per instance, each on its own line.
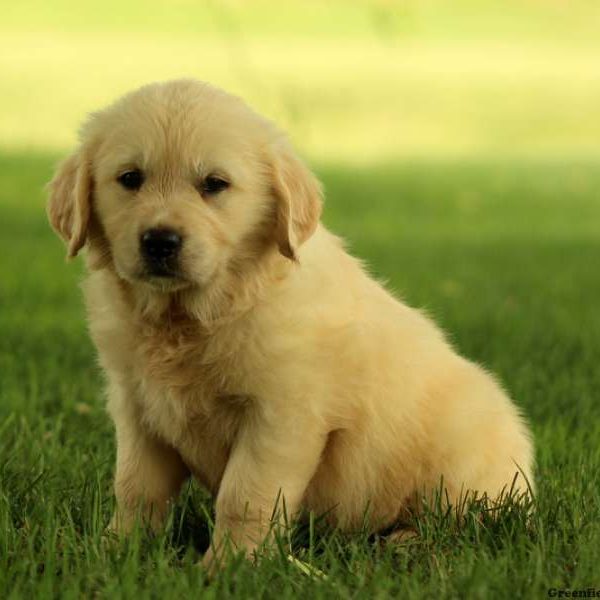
<point x="160" y="249"/>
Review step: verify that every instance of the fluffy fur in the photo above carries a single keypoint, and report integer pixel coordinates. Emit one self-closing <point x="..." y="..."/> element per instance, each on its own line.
<point x="273" y="365"/>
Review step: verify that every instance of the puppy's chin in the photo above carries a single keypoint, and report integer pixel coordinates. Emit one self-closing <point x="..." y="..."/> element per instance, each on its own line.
<point x="164" y="285"/>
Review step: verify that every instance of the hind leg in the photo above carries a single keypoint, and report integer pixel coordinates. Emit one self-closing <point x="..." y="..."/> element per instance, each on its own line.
<point x="480" y="441"/>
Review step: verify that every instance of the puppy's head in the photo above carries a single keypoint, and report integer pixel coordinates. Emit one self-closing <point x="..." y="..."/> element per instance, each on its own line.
<point x="177" y="183"/>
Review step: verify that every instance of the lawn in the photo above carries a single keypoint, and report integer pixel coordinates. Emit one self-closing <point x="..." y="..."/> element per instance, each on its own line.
<point x="488" y="249"/>
<point x="472" y="189"/>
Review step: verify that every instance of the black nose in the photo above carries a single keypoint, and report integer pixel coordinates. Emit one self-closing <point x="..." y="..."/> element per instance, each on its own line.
<point x="160" y="244"/>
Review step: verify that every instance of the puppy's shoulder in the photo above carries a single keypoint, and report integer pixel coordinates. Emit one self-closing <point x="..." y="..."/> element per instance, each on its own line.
<point x="103" y="296"/>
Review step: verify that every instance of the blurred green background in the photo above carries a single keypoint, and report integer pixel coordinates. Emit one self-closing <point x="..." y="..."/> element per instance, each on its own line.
<point x="459" y="145"/>
<point x="356" y="81"/>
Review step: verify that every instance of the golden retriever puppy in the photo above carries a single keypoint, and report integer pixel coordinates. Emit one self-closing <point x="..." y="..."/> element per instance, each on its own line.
<point x="244" y="346"/>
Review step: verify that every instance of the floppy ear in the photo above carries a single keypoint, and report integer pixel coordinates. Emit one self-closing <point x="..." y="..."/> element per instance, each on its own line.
<point x="298" y="200"/>
<point x="69" y="201"/>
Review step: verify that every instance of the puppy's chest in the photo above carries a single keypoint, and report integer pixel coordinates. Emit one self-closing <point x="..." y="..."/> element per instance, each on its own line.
<point x="201" y="429"/>
<point x="189" y="393"/>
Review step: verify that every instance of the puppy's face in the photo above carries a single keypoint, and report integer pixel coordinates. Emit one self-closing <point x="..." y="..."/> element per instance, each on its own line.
<point x="179" y="190"/>
<point x="184" y="182"/>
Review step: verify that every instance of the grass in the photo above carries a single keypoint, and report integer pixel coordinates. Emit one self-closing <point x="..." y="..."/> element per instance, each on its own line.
<point x="504" y="255"/>
<point x="458" y="143"/>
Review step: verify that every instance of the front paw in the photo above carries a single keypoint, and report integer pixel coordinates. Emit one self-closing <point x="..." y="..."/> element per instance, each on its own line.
<point x="146" y="516"/>
<point x="215" y="559"/>
<point x="211" y="563"/>
<point x="113" y="535"/>
<point x="120" y="525"/>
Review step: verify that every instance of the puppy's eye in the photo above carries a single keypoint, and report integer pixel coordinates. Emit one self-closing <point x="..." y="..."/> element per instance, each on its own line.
<point x="131" y="180"/>
<point x="213" y="185"/>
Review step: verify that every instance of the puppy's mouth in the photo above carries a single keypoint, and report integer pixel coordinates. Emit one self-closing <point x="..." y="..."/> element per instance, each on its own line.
<point x="165" y="284"/>
<point x="163" y="276"/>
<point x="161" y="270"/>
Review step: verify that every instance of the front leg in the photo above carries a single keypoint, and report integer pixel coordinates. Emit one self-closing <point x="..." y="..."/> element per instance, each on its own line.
<point x="149" y="473"/>
<point x="272" y="462"/>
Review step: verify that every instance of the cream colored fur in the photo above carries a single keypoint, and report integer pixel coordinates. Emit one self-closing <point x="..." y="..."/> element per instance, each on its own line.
<point x="276" y="365"/>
